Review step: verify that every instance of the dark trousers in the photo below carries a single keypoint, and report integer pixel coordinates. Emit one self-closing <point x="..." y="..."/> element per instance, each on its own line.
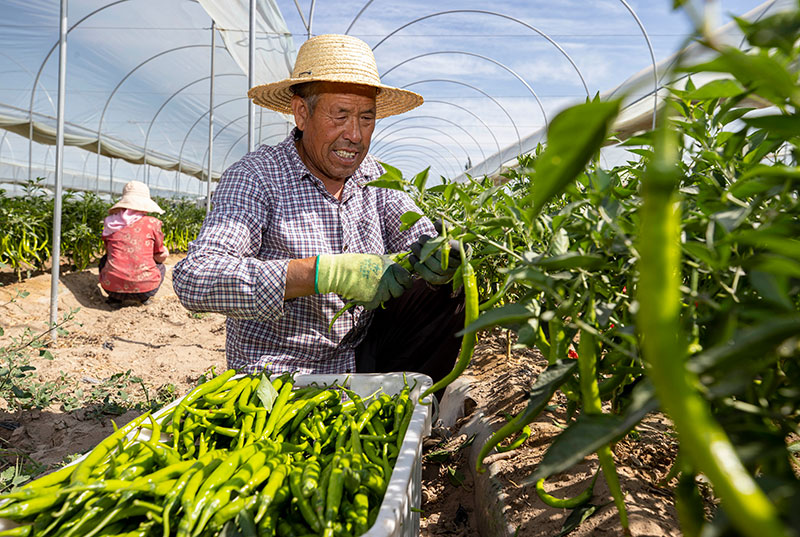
<point x="415" y="332"/>
<point x="141" y="297"/>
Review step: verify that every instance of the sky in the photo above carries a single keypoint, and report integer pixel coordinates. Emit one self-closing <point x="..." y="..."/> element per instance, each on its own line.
<point x="499" y="70"/>
<point x="491" y="73"/>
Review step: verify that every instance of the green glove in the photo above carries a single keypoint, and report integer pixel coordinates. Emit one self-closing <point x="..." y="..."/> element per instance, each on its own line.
<point x="369" y="279"/>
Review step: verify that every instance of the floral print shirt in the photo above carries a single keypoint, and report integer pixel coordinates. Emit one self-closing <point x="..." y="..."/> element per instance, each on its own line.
<point x="130" y="267"/>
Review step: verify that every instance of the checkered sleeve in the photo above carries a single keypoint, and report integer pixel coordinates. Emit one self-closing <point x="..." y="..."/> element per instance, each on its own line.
<point x="222" y="272"/>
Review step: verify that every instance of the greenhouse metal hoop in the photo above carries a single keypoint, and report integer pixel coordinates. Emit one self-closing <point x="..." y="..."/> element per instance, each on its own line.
<point x="500" y="64"/>
<point x="431" y="140"/>
<point x="119" y="84"/>
<point x="377" y="136"/>
<point x="189" y="131"/>
<point x="441" y="159"/>
<point x="39" y="74"/>
<point x="440" y="131"/>
<point x="480" y="12"/>
<point x="239" y="139"/>
<point x="167" y="101"/>
<point x="511" y="119"/>
<point x="416" y="147"/>
<point x="470" y="112"/>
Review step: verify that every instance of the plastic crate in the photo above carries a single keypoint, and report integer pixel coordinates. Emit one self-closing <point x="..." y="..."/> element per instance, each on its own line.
<point x="398" y="515"/>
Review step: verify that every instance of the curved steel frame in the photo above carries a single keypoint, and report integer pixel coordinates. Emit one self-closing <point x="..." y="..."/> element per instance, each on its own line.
<point x="473" y="114"/>
<point x="39" y="74"/>
<point x="376" y="137"/>
<point x="389" y="141"/>
<point x="511" y="119"/>
<point x="167" y="101"/>
<point x="415" y="147"/>
<point x="119" y="84"/>
<point x="548" y="38"/>
<point x="496" y="14"/>
<point x="502" y="65"/>
<point x="420" y="149"/>
<point x="420" y="138"/>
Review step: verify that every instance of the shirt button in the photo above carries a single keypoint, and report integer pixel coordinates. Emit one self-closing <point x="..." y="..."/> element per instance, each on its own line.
<point x="344" y="248"/>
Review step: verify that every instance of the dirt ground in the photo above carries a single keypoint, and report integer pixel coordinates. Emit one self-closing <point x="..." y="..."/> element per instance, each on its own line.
<point x="165" y="345"/>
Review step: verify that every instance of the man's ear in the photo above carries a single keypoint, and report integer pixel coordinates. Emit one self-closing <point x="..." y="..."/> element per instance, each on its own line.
<point x="300" y="111"/>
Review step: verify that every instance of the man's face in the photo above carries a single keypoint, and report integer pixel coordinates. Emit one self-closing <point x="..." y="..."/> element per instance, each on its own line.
<point x="337" y="135"/>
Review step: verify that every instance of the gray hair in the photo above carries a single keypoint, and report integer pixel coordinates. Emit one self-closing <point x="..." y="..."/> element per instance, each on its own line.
<point x="309" y="92"/>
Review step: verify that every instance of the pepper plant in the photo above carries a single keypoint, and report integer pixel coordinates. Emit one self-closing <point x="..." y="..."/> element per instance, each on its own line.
<point x="674" y="279"/>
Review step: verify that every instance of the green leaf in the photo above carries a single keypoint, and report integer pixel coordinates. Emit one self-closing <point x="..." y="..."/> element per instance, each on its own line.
<point x="767" y="76"/>
<point x="761" y="178"/>
<point x="764" y="238"/>
<point x="773" y="288"/>
<point x="776" y="31"/>
<point x="700" y="252"/>
<point x="266" y="392"/>
<point x="408" y="219"/>
<point x="577" y="517"/>
<point x="569" y="261"/>
<point x="391" y="173"/>
<point x="574" y="136"/>
<point x="439" y="456"/>
<point x="732" y="218"/>
<point x="746" y="343"/>
<point x="420" y="179"/>
<point x="592" y="431"/>
<point x="787" y="126"/>
<point x="510" y="314"/>
<point x="456" y="477"/>
<point x="388" y="183"/>
<point x="776" y="265"/>
<point x="724" y="87"/>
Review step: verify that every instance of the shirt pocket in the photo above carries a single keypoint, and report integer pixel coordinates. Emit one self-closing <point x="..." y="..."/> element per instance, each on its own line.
<point x="304" y="235"/>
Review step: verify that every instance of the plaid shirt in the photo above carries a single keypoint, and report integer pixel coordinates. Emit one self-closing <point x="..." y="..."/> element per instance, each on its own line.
<point x="267" y="209"/>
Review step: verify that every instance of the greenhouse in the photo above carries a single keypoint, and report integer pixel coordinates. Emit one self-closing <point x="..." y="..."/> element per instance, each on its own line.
<point x="273" y="267"/>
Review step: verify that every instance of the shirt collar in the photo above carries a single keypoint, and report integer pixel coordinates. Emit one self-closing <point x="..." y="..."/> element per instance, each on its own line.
<point x="369" y="170"/>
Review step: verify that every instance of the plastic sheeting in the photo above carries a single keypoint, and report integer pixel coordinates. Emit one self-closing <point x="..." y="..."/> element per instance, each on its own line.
<point x="137" y="90"/>
<point x="138" y="78"/>
<point x="637" y="92"/>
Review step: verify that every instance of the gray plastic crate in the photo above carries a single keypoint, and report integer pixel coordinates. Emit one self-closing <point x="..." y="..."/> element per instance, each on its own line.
<point x="398" y="515"/>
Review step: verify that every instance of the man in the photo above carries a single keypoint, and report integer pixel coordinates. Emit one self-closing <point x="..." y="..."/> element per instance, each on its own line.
<point x="294" y="234"/>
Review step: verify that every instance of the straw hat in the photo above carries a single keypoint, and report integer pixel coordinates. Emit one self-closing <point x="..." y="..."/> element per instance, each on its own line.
<point x="335" y="58"/>
<point x="136" y="196"/>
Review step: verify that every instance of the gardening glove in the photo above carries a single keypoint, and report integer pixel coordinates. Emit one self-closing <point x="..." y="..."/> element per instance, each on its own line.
<point x="429" y="264"/>
<point x="368" y="279"/>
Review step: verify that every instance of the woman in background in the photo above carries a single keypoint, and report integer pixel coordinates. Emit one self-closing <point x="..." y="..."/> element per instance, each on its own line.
<point x="133" y="268"/>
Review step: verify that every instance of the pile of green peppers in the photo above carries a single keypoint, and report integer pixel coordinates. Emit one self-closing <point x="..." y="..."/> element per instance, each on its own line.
<point x="240" y="453"/>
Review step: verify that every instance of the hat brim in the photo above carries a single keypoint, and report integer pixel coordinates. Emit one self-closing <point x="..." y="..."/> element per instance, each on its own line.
<point x="145" y="205"/>
<point x="277" y="96"/>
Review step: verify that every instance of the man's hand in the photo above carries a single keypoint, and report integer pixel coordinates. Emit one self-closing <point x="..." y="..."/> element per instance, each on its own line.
<point x="430" y="266"/>
<point x="368" y="279"/>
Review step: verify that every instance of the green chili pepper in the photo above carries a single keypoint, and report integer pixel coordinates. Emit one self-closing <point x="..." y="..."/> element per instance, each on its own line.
<point x="471" y="313"/>
<point x="519" y="440"/>
<point x="269" y="491"/>
<point x="659" y="318"/>
<point x="301" y="501"/>
<point x="201" y="390"/>
<point x="277" y="410"/>
<point x="84" y="469"/>
<point x="566" y="503"/>
<point x="19" y="531"/>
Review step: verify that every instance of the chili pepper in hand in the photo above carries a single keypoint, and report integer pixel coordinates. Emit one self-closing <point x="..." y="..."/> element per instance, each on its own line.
<point x="471" y="313"/>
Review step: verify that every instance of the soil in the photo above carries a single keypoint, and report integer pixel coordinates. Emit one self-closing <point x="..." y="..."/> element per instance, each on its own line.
<point x="170" y="349"/>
